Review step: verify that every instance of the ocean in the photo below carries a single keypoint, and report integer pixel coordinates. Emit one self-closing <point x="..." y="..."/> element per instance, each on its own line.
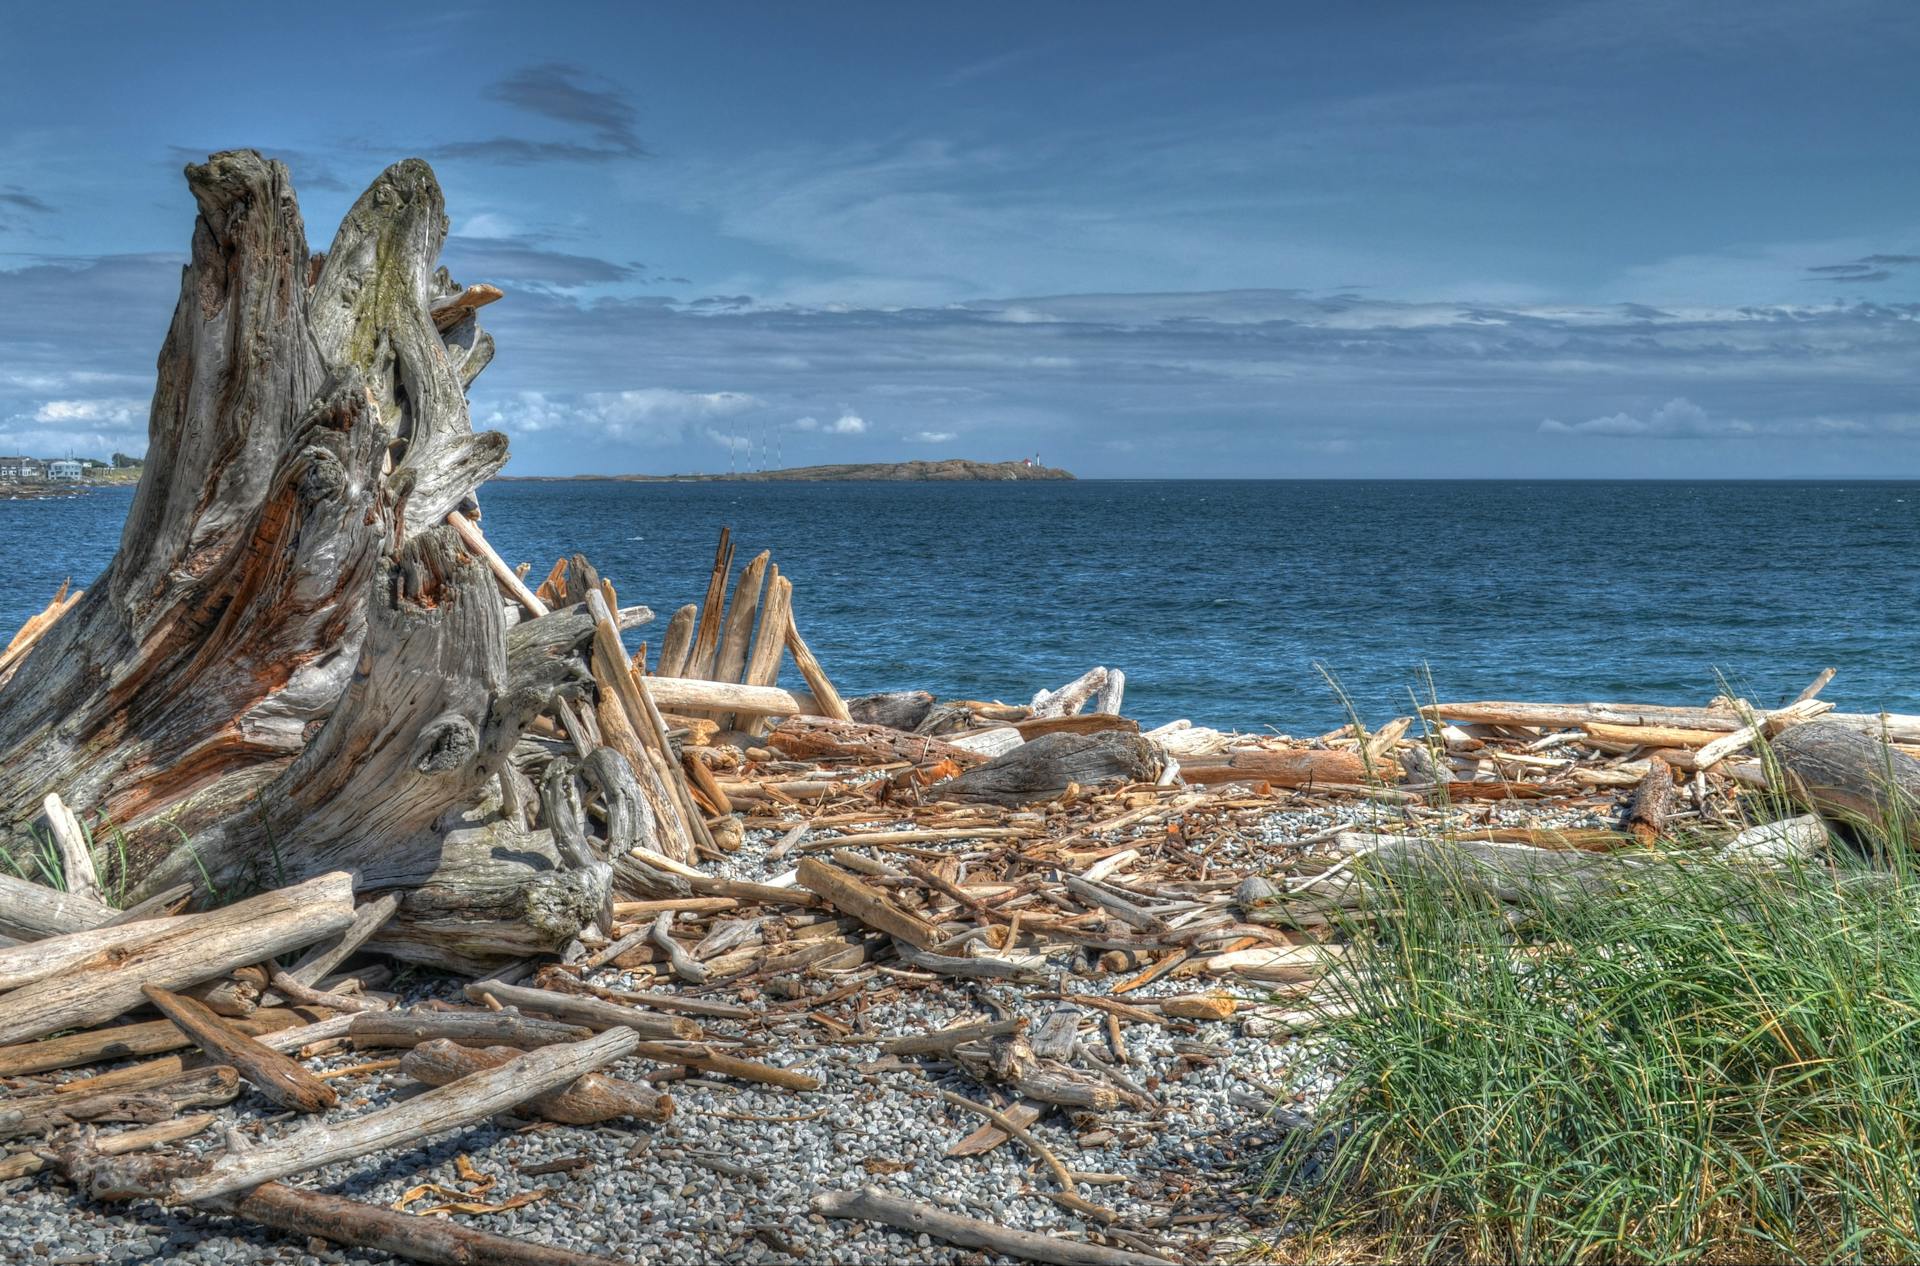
<point x="1223" y="601"/>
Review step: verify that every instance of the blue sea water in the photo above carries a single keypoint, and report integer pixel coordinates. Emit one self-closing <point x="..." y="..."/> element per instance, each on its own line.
<point x="1219" y="598"/>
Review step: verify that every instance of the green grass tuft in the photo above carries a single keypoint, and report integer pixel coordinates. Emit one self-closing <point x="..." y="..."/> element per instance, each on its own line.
<point x="1709" y="1064"/>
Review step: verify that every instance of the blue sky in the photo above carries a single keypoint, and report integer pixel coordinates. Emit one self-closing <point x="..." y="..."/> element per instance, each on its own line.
<point x="1207" y="239"/>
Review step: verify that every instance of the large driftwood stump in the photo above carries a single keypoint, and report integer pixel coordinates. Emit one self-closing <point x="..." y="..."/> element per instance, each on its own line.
<point x="292" y="664"/>
<point x="1046" y="767"/>
<point x="1852" y="777"/>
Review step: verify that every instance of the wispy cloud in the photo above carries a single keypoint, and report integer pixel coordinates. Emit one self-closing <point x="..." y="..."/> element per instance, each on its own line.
<point x="565" y="94"/>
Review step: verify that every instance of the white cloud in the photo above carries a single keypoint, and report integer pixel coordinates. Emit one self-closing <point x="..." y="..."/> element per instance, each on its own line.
<point x="732" y="443"/>
<point x="932" y="437"/>
<point x="114" y="410"/>
<point x="848" y="424"/>
<point x="806" y="424"/>
<point x="647" y="413"/>
<point x="1682" y="419"/>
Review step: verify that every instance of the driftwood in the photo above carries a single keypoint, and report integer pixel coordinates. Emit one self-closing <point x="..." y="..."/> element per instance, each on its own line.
<point x="873" y="1205"/>
<point x="155" y="1037"/>
<point x="273" y="1074"/>
<point x="899" y="710"/>
<point x="847" y="894"/>
<point x="438" y="1111"/>
<point x="293" y="663"/>
<point x="1282" y="768"/>
<point x="197" y="1088"/>
<point x="1046" y="767"/>
<point x="591" y="1099"/>
<point x="172" y="956"/>
<point x="32" y="912"/>
<point x="467" y="1028"/>
<point x="592" y="1012"/>
<point x="421" y="1239"/>
<point x="1851" y="777"/>
<point x="22" y="1164"/>
<point x="1646" y="815"/>
<point x="813" y="738"/>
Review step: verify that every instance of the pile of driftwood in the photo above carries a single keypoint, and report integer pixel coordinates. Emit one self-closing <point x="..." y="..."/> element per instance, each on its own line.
<point x="309" y="722"/>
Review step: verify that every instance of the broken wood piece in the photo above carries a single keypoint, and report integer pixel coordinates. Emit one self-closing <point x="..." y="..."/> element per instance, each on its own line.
<point x="990" y="1136"/>
<point x="873" y="1205"/>
<point x="830" y="703"/>
<point x="591" y="1099"/>
<point x="447" y="313"/>
<point x="24" y="1164"/>
<point x="468" y="1028"/>
<point x="76" y="858"/>
<point x="848" y="895"/>
<point x="280" y="1079"/>
<point x="708" y="1060"/>
<point x="470" y="535"/>
<point x="320" y="1142"/>
<point x="595" y="1013"/>
<point x="1069" y="1194"/>
<point x="1646" y="815"/>
<point x="46" y="1113"/>
<point x="352" y="1224"/>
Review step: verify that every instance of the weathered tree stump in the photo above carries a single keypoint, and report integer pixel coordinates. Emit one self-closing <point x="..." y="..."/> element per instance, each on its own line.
<point x="292" y="664"/>
<point x="1851" y="777"/>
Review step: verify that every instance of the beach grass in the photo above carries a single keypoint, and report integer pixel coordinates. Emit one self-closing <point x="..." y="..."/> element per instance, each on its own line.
<point x="1704" y="1062"/>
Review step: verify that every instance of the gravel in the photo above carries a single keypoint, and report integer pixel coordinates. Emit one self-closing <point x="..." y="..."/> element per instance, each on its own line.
<point x="729" y="1177"/>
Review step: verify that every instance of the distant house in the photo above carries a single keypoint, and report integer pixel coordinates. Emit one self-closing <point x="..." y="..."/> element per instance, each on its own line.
<point x="66" y="468"/>
<point x="15" y="470"/>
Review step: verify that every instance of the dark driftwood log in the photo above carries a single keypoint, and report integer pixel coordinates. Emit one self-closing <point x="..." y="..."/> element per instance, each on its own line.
<point x="1044" y="768"/>
<point x="1851" y="777"/>
<point x="898" y="709"/>
<point x="1646" y="814"/>
<point x="292" y="665"/>
<point x="805" y="738"/>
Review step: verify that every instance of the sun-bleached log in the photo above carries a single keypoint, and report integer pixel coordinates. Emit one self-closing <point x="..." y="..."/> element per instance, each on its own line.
<point x="173" y="956"/>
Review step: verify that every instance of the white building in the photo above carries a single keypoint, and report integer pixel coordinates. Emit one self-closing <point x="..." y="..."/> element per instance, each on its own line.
<point x="65" y="468"/>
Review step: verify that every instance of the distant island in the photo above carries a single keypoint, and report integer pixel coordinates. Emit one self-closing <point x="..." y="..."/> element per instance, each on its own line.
<point x="953" y="470"/>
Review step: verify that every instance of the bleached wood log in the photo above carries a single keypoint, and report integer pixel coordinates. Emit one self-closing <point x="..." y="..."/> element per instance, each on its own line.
<point x="769" y="643"/>
<point x="470" y="535"/>
<point x="319" y="1143"/>
<point x="33" y="912"/>
<point x="1776" y="843"/>
<point x="730" y="660"/>
<point x="1113" y="692"/>
<point x="995" y="740"/>
<point x="437" y="1241"/>
<point x="1071" y="697"/>
<point x="95" y="992"/>
<point x="686" y="696"/>
<point x="826" y="697"/>
<point x="124" y="1041"/>
<point x="676" y="648"/>
<point x="414" y="1025"/>
<point x="1773" y="723"/>
<point x="76" y="860"/>
<point x="198" y="1088"/>
<point x="1851" y="777"/>
<point x="156" y="1072"/>
<point x="1046" y="767"/>
<point x="24" y="964"/>
<point x="594" y="1013"/>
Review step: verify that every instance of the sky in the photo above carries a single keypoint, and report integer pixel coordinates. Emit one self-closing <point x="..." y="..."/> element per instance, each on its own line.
<point x="1293" y="240"/>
